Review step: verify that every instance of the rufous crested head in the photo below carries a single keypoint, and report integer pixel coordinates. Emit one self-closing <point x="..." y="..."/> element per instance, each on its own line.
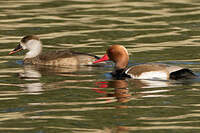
<point x="118" y="54"/>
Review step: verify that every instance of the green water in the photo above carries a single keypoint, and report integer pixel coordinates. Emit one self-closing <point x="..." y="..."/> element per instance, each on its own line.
<point x="85" y="99"/>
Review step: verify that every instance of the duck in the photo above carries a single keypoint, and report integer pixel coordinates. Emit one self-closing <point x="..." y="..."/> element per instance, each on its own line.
<point x="154" y="71"/>
<point x="35" y="55"/>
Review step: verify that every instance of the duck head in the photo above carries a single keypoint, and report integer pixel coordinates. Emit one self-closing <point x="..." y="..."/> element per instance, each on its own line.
<point x="31" y="43"/>
<point x="118" y="54"/>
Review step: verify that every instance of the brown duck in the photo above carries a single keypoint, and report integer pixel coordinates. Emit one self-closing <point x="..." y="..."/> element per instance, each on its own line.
<point x="53" y="58"/>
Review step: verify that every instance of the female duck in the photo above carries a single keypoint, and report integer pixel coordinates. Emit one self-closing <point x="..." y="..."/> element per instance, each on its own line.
<point x="119" y="55"/>
<point x="55" y="58"/>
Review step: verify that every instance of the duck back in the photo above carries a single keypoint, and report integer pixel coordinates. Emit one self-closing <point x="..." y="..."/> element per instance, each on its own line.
<point x="61" y="58"/>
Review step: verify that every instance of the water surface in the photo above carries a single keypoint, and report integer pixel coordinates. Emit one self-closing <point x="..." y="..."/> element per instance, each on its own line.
<point x="86" y="99"/>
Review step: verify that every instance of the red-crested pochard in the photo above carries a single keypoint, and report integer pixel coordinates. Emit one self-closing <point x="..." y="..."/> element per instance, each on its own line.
<point x="54" y="58"/>
<point x="119" y="55"/>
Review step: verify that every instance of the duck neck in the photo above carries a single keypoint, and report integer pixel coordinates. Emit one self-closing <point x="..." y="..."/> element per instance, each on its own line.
<point x="33" y="53"/>
<point x="120" y="68"/>
<point x="120" y="65"/>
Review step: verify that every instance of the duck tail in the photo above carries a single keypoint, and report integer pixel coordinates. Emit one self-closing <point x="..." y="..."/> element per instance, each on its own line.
<point x="182" y="74"/>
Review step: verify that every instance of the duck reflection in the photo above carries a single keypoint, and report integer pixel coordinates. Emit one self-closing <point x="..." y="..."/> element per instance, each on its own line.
<point x="34" y="74"/>
<point x="31" y="74"/>
<point x="122" y="94"/>
<point x="117" y="129"/>
<point x="137" y="83"/>
<point x="121" y="91"/>
<point x="31" y="71"/>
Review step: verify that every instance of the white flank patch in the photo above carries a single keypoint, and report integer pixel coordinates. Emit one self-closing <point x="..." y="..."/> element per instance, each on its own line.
<point x="151" y="75"/>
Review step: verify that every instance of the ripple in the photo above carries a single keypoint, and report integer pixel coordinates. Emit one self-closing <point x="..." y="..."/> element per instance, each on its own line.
<point x="185" y="116"/>
<point x="77" y="99"/>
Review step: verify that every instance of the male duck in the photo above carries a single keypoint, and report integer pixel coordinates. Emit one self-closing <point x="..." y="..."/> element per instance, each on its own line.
<point x="119" y="55"/>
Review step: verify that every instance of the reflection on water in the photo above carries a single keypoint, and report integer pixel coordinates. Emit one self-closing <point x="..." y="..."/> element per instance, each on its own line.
<point x="78" y="100"/>
<point x="34" y="74"/>
<point x="121" y="92"/>
<point x="82" y="99"/>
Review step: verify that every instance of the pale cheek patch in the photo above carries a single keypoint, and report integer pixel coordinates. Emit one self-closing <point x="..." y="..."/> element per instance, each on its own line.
<point x="152" y="75"/>
<point x="23" y="46"/>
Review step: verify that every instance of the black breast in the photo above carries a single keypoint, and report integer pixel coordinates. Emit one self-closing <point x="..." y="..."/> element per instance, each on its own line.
<point x="120" y="74"/>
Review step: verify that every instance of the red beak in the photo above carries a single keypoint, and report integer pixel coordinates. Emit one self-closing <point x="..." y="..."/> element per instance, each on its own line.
<point x="104" y="58"/>
<point x="17" y="49"/>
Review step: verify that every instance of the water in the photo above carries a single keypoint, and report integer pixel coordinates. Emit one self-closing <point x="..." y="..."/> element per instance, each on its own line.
<point x="87" y="99"/>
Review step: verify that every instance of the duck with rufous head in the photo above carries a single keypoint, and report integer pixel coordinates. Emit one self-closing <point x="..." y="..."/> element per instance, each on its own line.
<point x="52" y="58"/>
<point x="119" y="55"/>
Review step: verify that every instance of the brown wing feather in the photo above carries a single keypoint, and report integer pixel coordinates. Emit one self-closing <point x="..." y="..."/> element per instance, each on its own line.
<point x="52" y="55"/>
<point x="139" y="69"/>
